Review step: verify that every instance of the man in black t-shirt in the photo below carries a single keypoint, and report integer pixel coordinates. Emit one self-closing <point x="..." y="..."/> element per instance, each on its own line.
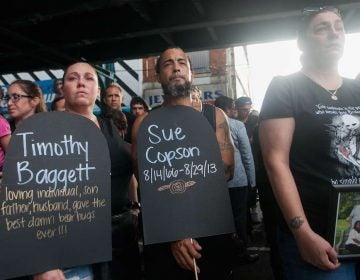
<point x="175" y="260"/>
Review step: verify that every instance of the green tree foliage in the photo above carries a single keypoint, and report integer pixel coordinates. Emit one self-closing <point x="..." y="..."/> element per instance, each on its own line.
<point x="347" y="203"/>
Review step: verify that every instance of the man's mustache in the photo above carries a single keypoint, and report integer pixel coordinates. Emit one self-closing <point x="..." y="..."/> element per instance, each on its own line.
<point x="176" y="76"/>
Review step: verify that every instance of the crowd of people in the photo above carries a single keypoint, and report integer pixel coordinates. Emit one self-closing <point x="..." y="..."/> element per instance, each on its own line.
<point x="288" y="156"/>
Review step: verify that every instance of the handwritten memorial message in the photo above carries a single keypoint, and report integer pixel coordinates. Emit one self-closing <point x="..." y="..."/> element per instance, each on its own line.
<point x="64" y="148"/>
<point x="55" y="196"/>
<point x="183" y="189"/>
<point x="50" y="210"/>
<point x="167" y="158"/>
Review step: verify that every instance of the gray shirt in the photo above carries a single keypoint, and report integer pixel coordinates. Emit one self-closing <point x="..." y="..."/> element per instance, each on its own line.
<point x="244" y="173"/>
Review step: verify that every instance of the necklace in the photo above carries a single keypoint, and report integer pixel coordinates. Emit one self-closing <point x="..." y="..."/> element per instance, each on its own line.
<point x="332" y="94"/>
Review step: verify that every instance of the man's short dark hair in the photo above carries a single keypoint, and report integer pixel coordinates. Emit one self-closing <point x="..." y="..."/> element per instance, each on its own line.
<point x="158" y="61"/>
<point x="139" y="100"/>
<point x="224" y="102"/>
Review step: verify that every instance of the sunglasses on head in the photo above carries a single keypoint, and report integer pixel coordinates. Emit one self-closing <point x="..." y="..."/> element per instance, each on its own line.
<point x="309" y="11"/>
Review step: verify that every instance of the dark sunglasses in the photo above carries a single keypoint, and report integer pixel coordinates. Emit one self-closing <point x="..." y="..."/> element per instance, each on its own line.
<point x="309" y="11"/>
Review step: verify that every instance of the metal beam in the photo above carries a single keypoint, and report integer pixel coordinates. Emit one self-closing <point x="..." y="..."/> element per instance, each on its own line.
<point x="192" y="26"/>
<point x="83" y="7"/>
<point x="199" y="7"/>
<point x="129" y="69"/>
<point x="125" y="86"/>
<point x="168" y="39"/>
<point x="207" y="24"/>
<point x="38" y="50"/>
<point x="212" y="33"/>
<point x="141" y="11"/>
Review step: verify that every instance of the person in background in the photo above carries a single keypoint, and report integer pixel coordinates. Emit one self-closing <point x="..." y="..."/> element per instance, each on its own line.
<point x="304" y="135"/>
<point x="196" y="98"/>
<point x="353" y="242"/>
<point x="24" y="99"/>
<point x="244" y="178"/>
<point x="113" y="98"/>
<point x="355" y="212"/>
<point x="206" y="109"/>
<point x="120" y="122"/>
<point x="3" y="103"/>
<point x="250" y="118"/>
<point x="247" y="115"/>
<point x="138" y="106"/>
<point x="58" y="104"/>
<point x="57" y="87"/>
<point x="81" y="89"/>
<point x="5" y="135"/>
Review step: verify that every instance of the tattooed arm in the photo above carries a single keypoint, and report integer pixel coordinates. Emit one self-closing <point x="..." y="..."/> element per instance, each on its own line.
<point x="275" y="139"/>
<point x="225" y="143"/>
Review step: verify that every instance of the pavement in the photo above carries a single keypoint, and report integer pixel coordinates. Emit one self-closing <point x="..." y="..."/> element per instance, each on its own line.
<point x="260" y="269"/>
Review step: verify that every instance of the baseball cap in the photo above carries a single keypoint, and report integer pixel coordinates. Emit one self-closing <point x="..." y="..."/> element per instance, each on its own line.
<point x="243" y="100"/>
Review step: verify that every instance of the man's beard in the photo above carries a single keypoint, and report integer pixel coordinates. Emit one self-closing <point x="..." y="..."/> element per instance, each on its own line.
<point x="177" y="90"/>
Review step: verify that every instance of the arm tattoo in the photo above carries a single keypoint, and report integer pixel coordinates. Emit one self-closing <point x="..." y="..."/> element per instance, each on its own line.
<point x="226" y="143"/>
<point x="296" y="223"/>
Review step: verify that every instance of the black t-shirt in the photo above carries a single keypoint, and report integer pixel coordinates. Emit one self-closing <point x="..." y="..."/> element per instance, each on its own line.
<point x="326" y="141"/>
<point x="130" y="122"/>
<point x="121" y="166"/>
<point x="251" y="123"/>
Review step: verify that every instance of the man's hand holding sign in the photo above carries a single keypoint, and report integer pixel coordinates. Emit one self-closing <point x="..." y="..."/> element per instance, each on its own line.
<point x="181" y="174"/>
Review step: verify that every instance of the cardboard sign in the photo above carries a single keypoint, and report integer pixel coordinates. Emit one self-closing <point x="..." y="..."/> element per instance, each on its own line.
<point x="55" y="196"/>
<point x="182" y="183"/>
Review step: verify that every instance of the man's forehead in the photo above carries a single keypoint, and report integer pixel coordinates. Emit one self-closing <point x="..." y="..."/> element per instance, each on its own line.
<point x="174" y="54"/>
<point x="113" y="89"/>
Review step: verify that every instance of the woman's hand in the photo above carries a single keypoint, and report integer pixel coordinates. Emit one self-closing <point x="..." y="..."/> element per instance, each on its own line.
<point x="184" y="252"/>
<point x="316" y="250"/>
<point x="55" y="274"/>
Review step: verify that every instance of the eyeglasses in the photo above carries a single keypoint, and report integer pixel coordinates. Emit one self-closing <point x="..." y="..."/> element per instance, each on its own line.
<point x="15" y="97"/>
<point x="309" y="11"/>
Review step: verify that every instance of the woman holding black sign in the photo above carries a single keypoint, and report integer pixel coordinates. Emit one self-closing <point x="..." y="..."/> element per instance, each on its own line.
<point x="81" y="89"/>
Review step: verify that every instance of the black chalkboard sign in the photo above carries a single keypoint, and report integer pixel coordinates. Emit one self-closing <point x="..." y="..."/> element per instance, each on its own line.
<point x="182" y="183"/>
<point x="55" y="196"/>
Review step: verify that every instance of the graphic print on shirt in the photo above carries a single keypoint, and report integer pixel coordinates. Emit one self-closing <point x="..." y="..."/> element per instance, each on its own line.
<point x="347" y="140"/>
